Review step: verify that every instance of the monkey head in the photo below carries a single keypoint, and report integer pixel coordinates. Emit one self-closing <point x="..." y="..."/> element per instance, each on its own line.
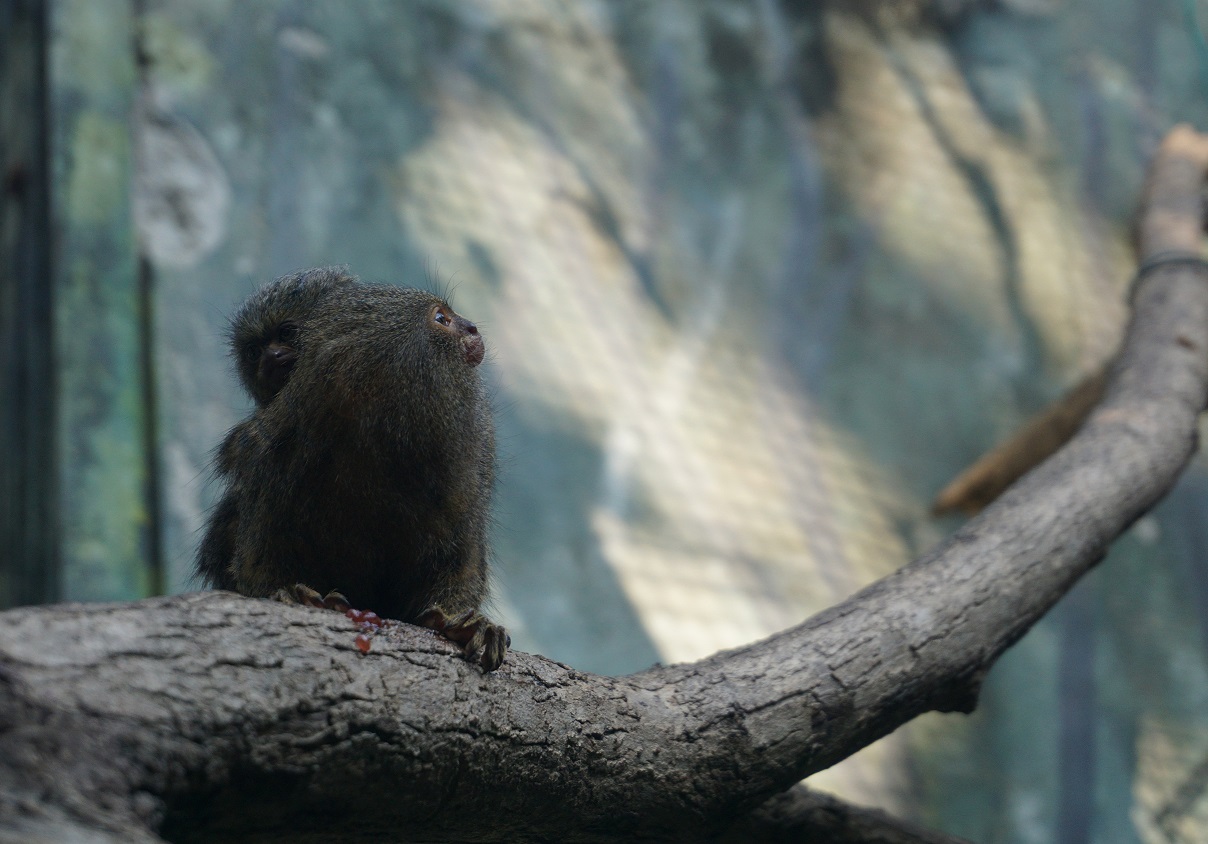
<point x="268" y="332"/>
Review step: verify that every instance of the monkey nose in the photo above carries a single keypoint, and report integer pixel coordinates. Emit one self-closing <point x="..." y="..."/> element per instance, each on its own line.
<point x="474" y="349"/>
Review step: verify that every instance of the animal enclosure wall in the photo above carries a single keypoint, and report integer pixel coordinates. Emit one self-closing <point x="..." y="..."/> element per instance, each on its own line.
<point x="756" y="279"/>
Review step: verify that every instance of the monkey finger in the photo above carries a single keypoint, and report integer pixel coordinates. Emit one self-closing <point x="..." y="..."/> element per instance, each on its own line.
<point x="460" y="628"/>
<point x="477" y="640"/>
<point x="464" y="629"/>
<point x="464" y="620"/>
<point x="496" y="643"/>
<point x="298" y="594"/>
<point x="334" y="600"/>
<point x="307" y="596"/>
<point x="434" y="617"/>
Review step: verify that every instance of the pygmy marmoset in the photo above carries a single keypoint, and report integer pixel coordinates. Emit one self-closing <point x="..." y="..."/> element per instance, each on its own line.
<point x="368" y="463"/>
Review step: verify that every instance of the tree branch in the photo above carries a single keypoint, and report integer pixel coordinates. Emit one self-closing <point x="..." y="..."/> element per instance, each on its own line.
<point x="803" y="816"/>
<point x="213" y="716"/>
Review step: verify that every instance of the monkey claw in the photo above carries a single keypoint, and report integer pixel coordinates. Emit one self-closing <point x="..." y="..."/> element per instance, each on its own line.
<point x="302" y="594"/>
<point x="473" y="631"/>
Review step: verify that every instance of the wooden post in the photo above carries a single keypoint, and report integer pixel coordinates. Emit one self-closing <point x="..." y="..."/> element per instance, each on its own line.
<point x="29" y="566"/>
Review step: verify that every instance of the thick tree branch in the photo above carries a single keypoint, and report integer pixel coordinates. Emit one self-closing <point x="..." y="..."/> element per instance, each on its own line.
<point x="803" y="816"/>
<point x="207" y="716"/>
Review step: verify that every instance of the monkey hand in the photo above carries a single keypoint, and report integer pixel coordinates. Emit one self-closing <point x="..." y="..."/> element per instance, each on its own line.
<point x="302" y="594"/>
<point x="474" y="632"/>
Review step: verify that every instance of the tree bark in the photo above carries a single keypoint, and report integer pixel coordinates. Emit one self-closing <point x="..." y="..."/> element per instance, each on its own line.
<point x="215" y="717"/>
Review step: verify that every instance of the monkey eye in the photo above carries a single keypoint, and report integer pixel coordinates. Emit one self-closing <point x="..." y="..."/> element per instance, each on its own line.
<point x="287" y="332"/>
<point x="251" y="351"/>
<point x="442" y="317"/>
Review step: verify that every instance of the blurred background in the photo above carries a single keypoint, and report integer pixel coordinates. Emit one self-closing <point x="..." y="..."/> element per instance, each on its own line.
<point x="757" y="277"/>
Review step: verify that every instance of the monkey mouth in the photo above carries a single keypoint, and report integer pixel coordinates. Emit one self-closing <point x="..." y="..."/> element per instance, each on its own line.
<point x="275" y="370"/>
<point x="474" y="349"/>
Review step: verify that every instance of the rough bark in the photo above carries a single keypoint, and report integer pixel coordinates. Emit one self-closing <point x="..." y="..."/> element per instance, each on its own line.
<point x="212" y="717"/>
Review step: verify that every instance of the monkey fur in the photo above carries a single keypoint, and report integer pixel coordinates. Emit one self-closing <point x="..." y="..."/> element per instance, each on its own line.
<point x="368" y="463"/>
<point x="265" y="338"/>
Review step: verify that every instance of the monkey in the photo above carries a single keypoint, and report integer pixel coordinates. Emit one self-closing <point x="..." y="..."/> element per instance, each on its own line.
<point x="368" y="464"/>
